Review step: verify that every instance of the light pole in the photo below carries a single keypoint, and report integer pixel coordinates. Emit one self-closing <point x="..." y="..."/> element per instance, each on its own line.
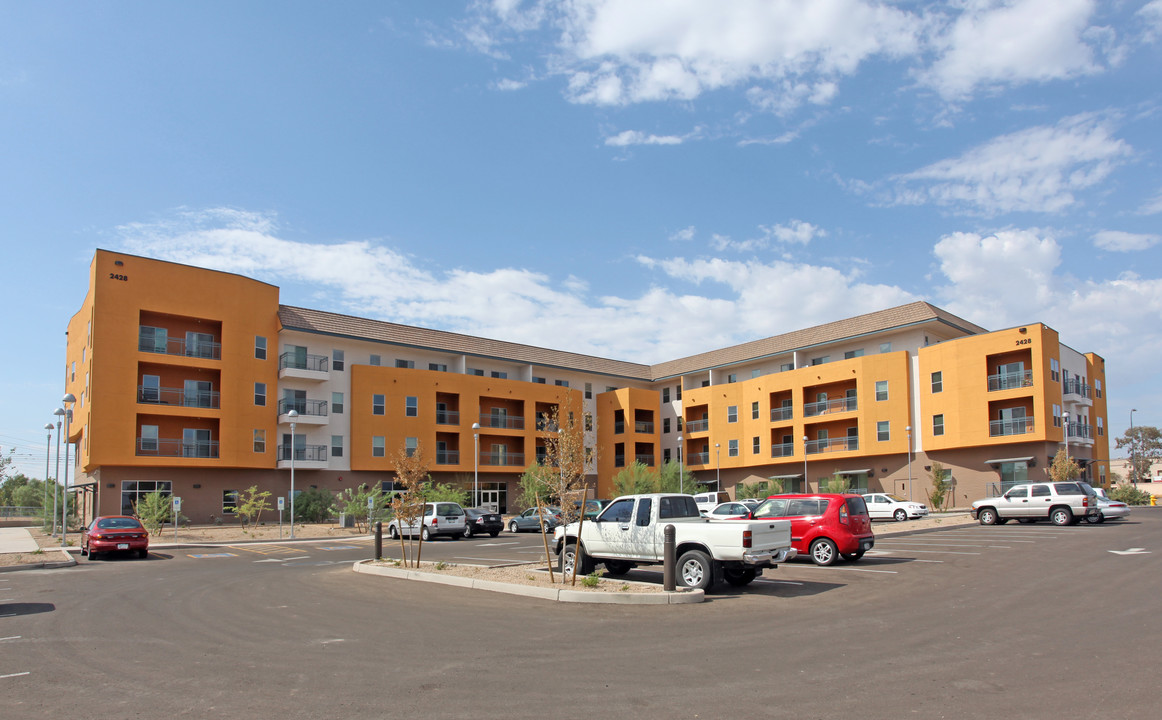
<point x="292" y="415"/>
<point x="476" y="464"/>
<point x="805" y="488"/>
<point x="718" y="464"/>
<point x="1133" y="468"/>
<point x="60" y="413"/>
<point x="908" y="430"/>
<point x="681" y="469"/>
<point x="68" y="400"/>
<point x="47" y="454"/>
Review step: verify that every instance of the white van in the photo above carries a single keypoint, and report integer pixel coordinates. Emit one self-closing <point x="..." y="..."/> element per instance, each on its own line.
<point x="709" y="500"/>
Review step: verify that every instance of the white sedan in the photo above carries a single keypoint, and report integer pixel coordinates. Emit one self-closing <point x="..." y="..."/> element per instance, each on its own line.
<point x="885" y="506"/>
<point x="1109" y="510"/>
<point x="728" y="511"/>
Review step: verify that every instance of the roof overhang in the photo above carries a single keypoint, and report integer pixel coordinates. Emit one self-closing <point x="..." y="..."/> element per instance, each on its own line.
<point x="998" y="461"/>
<point x="784" y="477"/>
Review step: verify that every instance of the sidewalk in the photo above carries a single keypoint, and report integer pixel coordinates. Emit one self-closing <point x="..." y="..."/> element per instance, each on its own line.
<point x="17" y="540"/>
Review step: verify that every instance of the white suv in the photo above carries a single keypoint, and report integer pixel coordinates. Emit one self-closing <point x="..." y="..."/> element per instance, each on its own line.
<point x="440" y="518"/>
<point x="1063" y="503"/>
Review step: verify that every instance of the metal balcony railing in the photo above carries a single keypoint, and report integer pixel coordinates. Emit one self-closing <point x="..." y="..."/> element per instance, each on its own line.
<point x="998" y="428"/>
<point x="782" y="413"/>
<point x="694" y="426"/>
<point x="294" y="361"/>
<point x="1010" y="380"/>
<point x="644" y="458"/>
<point x="698" y="458"/>
<point x="825" y="445"/>
<point x="178" y="396"/>
<point x="447" y="417"/>
<point x="823" y="407"/>
<point x="447" y="457"/>
<point x="506" y="459"/>
<point x="317" y="408"/>
<point x="1074" y="386"/>
<point x="1081" y="431"/>
<point x="305" y="453"/>
<point x="618" y="427"/>
<point x="643" y="426"/>
<point x="782" y="450"/>
<point x="174" y="447"/>
<point x="503" y="422"/>
<point x="178" y="346"/>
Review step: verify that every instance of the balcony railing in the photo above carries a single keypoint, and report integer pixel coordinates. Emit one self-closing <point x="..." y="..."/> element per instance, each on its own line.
<point x="1081" y="431"/>
<point x="447" y="457"/>
<point x="447" y="417"/>
<point x="502" y="459"/>
<point x="643" y="426"/>
<point x="177" y="396"/>
<point x="317" y="408"/>
<point x="825" y="445"/>
<point x="546" y="425"/>
<point x="782" y="413"/>
<point x="174" y="447"/>
<point x="294" y="361"/>
<point x="698" y="458"/>
<point x="305" y="453"/>
<point x="618" y="460"/>
<point x="823" y="407"/>
<point x="504" y="422"/>
<point x="1010" y="380"/>
<point x="694" y="426"/>
<point x="178" y="346"/>
<point x="644" y="458"/>
<point x="618" y="427"/>
<point x="998" y="428"/>
<point x="782" y="450"/>
<point x="1074" y="386"/>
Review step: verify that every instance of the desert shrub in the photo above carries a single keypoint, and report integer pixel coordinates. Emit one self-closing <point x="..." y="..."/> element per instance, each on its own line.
<point x="314" y="505"/>
<point x="1129" y="494"/>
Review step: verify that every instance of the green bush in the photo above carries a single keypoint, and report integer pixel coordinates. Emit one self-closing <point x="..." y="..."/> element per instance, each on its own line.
<point x="314" y="505"/>
<point x="1129" y="494"/>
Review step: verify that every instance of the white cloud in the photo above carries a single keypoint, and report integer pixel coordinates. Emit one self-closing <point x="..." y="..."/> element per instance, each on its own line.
<point x="636" y="137"/>
<point x="1119" y="241"/>
<point x="1151" y="15"/>
<point x="508" y="85"/>
<point x="1153" y="206"/>
<point x="1038" y="169"/>
<point x="685" y="234"/>
<point x="996" y="42"/>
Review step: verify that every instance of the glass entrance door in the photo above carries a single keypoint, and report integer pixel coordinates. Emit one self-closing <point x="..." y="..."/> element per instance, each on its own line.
<point x="490" y="500"/>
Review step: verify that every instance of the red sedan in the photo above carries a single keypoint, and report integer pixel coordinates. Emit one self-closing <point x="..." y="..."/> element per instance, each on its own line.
<point x="115" y="533"/>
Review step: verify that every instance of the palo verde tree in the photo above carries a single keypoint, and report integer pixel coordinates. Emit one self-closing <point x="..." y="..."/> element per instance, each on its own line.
<point x="1144" y="444"/>
<point x="250" y="505"/>
<point x="154" y="510"/>
<point x="676" y="477"/>
<point x="636" y="478"/>
<point x="411" y="477"/>
<point x="758" y="490"/>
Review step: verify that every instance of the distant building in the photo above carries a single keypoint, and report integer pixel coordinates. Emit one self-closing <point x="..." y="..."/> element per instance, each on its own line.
<point x="185" y="381"/>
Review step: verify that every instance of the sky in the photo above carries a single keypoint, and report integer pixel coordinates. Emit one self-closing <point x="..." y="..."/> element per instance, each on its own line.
<point x="635" y="179"/>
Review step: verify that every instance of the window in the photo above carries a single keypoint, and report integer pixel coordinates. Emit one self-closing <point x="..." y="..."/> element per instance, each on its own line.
<point x="679" y="423"/>
<point x="407" y="364"/>
<point x="937" y="382"/>
<point x="733" y="448"/>
<point x="588" y="391"/>
<point x="148" y="438"/>
<point x="883" y="430"/>
<point x="665" y="425"/>
<point x="755" y="446"/>
<point x="152" y="339"/>
<point x="885" y="347"/>
<point x="1100" y="427"/>
<point x="588" y="422"/>
<point x="1056" y="415"/>
<point x="377" y="446"/>
<point x="665" y="394"/>
<point x="820" y="360"/>
<point x="665" y="455"/>
<point x="561" y="383"/>
<point x="755" y="373"/>
<point x="732" y="378"/>
<point x="938" y="424"/>
<point x="336" y="359"/>
<point x="500" y="374"/>
<point x="377" y="403"/>
<point x="786" y="366"/>
<point x="678" y="396"/>
<point x="410" y="445"/>
<point x="150" y="391"/>
<point x="229" y="501"/>
<point x="260" y="394"/>
<point x="644" y="507"/>
<point x="732" y="413"/>
<point x="337" y="402"/>
<point x="853" y="354"/>
<point x="1054" y="369"/>
<point x="259" y="440"/>
<point x="1097" y="387"/>
<point x="132" y="490"/>
<point x="438" y="367"/>
<point x="411" y="406"/>
<point x="539" y="380"/>
<point x="259" y="354"/>
<point x="754" y="410"/>
<point x="881" y="390"/>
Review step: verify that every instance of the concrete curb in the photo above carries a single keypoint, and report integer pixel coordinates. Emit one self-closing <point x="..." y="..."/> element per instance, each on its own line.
<point x="68" y="561"/>
<point x="678" y="597"/>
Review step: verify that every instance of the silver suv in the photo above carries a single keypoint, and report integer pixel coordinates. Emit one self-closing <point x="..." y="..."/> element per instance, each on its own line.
<point x="1063" y="503"/>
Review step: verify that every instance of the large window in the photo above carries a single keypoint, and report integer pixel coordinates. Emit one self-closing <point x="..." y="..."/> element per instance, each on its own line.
<point x="259" y="440"/>
<point x="132" y="491"/>
<point x="377" y="404"/>
<point x="411" y="406"/>
<point x="229" y="501"/>
<point x="259" y="347"/>
<point x="881" y="390"/>
<point x="148" y="438"/>
<point x="260" y="394"/>
<point x="883" y="430"/>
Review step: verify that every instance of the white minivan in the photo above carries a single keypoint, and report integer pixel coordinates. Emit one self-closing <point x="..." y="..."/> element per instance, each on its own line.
<point x="707" y="501"/>
<point x="440" y="518"/>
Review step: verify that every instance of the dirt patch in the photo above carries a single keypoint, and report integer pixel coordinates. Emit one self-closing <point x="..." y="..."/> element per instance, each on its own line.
<point x="218" y="534"/>
<point x="530" y="574"/>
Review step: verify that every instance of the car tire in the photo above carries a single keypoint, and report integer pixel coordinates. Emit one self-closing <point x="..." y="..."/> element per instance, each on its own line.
<point x="569" y="554"/>
<point x="740" y="578"/>
<point x="695" y="570"/>
<point x="493" y="533"/>
<point x="852" y="557"/>
<point x="468" y="531"/>
<point x="1095" y="519"/>
<point x="617" y="567"/>
<point x="425" y="534"/>
<point x="1061" y="516"/>
<point x="823" y="552"/>
<point x="93" y="555"/>
<point x="512" y="527"/>
<point x="900" y="515"/>
<point x="393" y="532"/>
<point x="142" y="554"/>
<point x="987" y="516"/>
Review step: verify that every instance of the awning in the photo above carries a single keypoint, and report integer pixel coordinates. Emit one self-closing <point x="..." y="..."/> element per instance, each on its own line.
<point x="1005" y="460"/>
<point x="865" y="471"/>
<point x="784" y="477"/>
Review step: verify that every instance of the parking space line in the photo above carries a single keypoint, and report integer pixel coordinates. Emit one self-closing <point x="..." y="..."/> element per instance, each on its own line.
<point x="929" y="544"/>
<point x="778" y="582"/>
<point x="12" y="675"/>
<point x="931" y="552"/>
<point x="11" y="637"/>
<point x="854" y="569"/>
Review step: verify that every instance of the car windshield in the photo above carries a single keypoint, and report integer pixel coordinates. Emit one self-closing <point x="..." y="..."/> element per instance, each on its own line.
<point x="895" y="498"/>
<point x="118" y="524"/>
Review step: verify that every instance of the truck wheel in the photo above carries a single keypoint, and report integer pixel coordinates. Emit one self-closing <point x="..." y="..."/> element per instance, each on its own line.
<point x="738" y="578"/>
<point x="824" y="552"/>
<point x="617" y="567"/>
<point x="695" y="570"/>
<point x="1061" y="516"/>
<point x="987" y="516"/>
<point x="570" y="555"/>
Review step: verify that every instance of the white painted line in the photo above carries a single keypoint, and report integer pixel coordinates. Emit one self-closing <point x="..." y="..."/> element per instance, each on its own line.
<point x="14" y="675"/>
<point x="277" y="560"/>
<point x="932" y="552"/>
<point x="8" y="600"/>
<point x="12" y="637"/>
<point x="778" y="582"/>
<point x="852" y="569"/>
<point x="497" y="544"/>
<point x="300" y="557"/>
<point x="925" y="544"/>
<point x="931" y="561"/>
<point x="491" y="560"/>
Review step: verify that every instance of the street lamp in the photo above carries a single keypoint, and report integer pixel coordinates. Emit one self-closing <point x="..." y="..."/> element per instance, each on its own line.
<point x="805" y="488"/>
<point x="47" y="454"/>
<point x="718" y="469"/>
<point x="68" y="399"/>
<point x="476" y="464"/>
<point x="908" y="430"/>
<point x="681" y="470"/>
<point x="292" y="415"/>
<point x="60" y="413"/>
<point x="1133" y="468"/>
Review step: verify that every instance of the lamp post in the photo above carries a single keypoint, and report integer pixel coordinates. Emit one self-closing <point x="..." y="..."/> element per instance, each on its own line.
<point x="60" y="413"/>
<point x="908" y="430"/>
<point x="68" y="400"/>
<point x="47" y="454"/>
<point x="1133" y="467"/>
<point x="476" y="464"/>
<point x="292" y="415"/>
<point x="805" y="488"/>
<point x="718" y="468"/>
<point x="681" y="470"/>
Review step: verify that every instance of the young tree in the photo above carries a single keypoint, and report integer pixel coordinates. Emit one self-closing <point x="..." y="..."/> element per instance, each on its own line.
<point x="251" y="505"/>
<point x="443" y="492"/>
<point x="940" y="486"/>
<point x="314" y="505"/>
<point x="154" y="510"/>
<point x="564" y="460"/>
<point x="411" y="474"/>
<point x="1063" y="468"/>
<point x="356" y="501"/>
<point x="636" y="478"/>
<point x="676" y="478"/>
<point x="837" y="484"/>
<point x="760" y="490"/>
<point x="1144" y="443"/>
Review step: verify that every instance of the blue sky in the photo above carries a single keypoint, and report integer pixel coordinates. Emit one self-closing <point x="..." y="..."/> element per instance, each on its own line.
<point x="635" y="179"/>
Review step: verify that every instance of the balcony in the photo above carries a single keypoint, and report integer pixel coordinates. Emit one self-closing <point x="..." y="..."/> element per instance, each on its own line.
<point x="304" y="367"/>
<point x="1000" y="428"/>
<point x="311" y="412"/>
<point x="305" y="456"/>
<point x="176" y="447"/>
<point x="502" y="459"/>
<point x="1079" y="431"/>
<point x="1010" y="380"/>
<point x="695" y="426"/>
<point x="178" y="346"/>
<point x="826" y="407"/>
<point x="781" y="414"/>
<point x="618" y="427"/>
<point x="826" y="445"/>
<point x="447" y="457"/>
<point x="447" y="417"/>
<point x="177" y="396"/>
<point x="1077" y="388"/>
<point x="502" y="422"/>
<point x="644" y="458"/>
<point x="698" y="458"/>
<point x="779" y="450"/>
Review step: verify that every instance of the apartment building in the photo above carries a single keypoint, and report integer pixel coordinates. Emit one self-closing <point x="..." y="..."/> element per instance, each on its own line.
<point x="201" y="384"/>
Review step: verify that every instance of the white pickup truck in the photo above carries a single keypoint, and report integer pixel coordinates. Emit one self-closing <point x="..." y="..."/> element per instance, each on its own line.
<point x="630" y="531"/>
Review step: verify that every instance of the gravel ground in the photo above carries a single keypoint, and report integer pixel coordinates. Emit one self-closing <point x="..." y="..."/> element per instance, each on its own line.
<point x="534" y="574"/>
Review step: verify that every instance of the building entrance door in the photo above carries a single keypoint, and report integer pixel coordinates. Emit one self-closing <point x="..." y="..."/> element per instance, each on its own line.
<point x="490" y="500"/>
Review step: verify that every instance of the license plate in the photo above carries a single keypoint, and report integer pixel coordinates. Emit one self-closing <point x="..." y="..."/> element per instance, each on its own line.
<point x="122" y="546"/>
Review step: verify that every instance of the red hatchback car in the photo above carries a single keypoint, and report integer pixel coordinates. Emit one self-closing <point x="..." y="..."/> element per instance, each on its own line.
<point x="824" y="526"/>
<point x="115" y="533"/>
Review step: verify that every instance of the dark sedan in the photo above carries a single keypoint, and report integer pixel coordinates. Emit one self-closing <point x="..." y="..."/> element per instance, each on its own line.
<point x="478" y="521"/>
<point x="115" y="533"/>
